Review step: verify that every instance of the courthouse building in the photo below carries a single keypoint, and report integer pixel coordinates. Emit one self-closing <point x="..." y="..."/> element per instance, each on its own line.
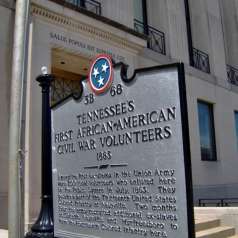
<point x="64" y="35"/>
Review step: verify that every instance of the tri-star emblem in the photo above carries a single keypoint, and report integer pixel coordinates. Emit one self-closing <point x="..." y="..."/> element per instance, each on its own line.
<point x="100" y="74"/>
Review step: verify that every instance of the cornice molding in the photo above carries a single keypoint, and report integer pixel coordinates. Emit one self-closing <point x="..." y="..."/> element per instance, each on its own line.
<point x="91" y="31"/>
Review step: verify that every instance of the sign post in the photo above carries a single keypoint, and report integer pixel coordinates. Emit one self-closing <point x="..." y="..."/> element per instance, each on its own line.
<point x="120" y="155"/>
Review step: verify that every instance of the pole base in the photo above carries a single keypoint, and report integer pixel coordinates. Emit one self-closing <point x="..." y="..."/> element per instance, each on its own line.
<point x="43" y="227"/>
<point x="33" y="234"/>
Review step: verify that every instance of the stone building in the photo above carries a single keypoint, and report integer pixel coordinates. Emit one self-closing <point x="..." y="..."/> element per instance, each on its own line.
<point x="64" y="35"/>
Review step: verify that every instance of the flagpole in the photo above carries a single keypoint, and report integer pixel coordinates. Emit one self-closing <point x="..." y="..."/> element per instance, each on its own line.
<point x="16" y="125"/>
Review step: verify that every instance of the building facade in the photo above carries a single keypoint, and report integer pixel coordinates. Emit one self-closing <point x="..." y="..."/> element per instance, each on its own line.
<point x="64" y="35"/>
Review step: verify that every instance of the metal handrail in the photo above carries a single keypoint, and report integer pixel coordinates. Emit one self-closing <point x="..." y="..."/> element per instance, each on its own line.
<point x="232" y="74"/>
<point x="201" y="60"/>
<point x="219" y="202"/>
<point x="156" y="38"/>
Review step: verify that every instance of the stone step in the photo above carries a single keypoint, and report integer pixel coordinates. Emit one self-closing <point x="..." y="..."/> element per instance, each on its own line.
<point x="217" y="232"/>
<point x="235" y="236"/>
<point x="202" y="224"/>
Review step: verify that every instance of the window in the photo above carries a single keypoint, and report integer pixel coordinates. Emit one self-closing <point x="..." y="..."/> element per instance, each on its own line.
<point x="138" y="10"/>
<point x="156" y="38"/>
<point x="90" y="5"/>
<point x="207" y="131"/>
<point x="80" y="3"/>
<point x="140" y="16"/>
<point x="236" y="125"/>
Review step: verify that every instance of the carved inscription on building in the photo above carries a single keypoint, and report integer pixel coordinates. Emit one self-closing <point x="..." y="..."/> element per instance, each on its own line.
<point x="118" y="166"/>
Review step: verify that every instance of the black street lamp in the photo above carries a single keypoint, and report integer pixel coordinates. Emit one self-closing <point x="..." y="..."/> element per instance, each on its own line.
<point x="43" y="227"/>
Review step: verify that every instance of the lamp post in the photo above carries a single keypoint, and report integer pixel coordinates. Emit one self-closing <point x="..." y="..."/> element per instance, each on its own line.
<point x="43" y="227"/>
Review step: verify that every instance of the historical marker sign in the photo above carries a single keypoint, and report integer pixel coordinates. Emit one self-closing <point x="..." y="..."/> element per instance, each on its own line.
<point x="121" y="165"/>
